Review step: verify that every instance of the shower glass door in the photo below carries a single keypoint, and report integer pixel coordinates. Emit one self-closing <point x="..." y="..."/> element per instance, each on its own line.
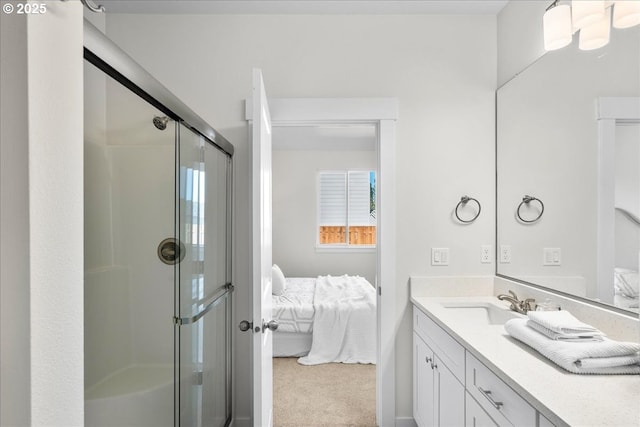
<point x="202" y="288"/>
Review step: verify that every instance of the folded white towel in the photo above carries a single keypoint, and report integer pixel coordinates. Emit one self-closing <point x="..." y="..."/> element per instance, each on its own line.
<point x="604" y="357"/>
<point x="572" y="337"/>
<point x="561" y="321"/>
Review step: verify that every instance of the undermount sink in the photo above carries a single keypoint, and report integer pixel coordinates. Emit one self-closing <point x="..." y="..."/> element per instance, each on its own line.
<point x="482" y="313"/>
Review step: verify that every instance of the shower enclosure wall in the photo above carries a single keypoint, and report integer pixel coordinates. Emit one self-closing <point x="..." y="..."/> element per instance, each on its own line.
<point x="157" y="255"/>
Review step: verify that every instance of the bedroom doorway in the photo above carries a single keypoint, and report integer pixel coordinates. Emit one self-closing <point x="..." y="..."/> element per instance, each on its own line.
<point x="324" y="242"/>
<point x="382" y="114"/>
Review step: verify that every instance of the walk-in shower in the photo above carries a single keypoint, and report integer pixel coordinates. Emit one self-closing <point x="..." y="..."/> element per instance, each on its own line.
<point x="157" y="252"/>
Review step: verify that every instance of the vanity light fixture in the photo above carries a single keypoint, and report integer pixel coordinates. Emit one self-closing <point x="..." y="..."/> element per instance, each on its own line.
<point x="626" y="14"/>
<point x="592" y="18"/>
<point x="596" y="34"/>
<point x="586" y="12"/>
<point x="557" y="26"/>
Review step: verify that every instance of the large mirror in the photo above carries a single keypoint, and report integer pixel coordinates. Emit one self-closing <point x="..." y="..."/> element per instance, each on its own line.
<point x="568" y="172"/>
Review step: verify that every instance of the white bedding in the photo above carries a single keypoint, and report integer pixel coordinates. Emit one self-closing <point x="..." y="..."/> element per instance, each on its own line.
<point x="294" y="308"/>
<point x="344" y="327"/>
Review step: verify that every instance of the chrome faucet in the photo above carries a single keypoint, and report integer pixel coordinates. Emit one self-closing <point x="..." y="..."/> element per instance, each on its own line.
<point x="517" y="305"/>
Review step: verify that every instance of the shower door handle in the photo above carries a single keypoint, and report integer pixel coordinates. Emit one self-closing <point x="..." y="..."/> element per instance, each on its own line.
<point x="208" y="304"/>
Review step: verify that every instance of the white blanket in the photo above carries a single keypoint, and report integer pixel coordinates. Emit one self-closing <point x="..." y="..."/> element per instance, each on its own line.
<point x="603" y="357"/>
<point x="344" y="327"/>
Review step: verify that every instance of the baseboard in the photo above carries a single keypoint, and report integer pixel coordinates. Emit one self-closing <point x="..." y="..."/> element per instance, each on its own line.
<point x="240" y="422"/>
<point x="405" y="422"/>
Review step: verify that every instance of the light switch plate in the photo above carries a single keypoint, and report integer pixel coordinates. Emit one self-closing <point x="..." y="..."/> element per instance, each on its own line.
<point x="439" y="256"/>
<point x="551" y="256"/>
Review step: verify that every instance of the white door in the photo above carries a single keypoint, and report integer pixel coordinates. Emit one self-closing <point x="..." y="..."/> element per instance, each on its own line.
<point x="262" y="322"/>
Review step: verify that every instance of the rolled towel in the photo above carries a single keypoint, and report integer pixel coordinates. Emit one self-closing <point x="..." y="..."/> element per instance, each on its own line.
<point x="561" y="321"/>
<point x="572" y="337"/>
<point x="604" y="357"/>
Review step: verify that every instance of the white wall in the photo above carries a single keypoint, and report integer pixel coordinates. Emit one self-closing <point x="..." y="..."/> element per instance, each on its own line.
<point x="442" y="69"/>
<point x="55" y="214"/>
<point x="42" y="273"/>
<point x="295" y="220"/>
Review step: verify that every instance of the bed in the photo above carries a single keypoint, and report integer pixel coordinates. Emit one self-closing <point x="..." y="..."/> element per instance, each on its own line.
<point x="626" y="294"/>
<point x="326" y="319"/>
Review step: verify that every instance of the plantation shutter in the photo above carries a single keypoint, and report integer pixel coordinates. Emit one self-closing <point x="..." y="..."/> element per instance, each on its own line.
<point x="333" y="199"/>
<point x="359" y="198"/>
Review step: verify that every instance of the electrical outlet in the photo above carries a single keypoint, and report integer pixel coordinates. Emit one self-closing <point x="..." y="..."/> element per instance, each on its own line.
<point x="439" y="256"/>
<point x="505" y="254"/>
<point x="485" y="254"/>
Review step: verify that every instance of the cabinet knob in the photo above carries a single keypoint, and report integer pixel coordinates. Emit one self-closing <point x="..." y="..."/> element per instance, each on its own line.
<point x="428" y="359"/>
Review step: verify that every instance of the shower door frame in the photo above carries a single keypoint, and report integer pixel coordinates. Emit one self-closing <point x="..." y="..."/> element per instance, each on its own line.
<point x="101" y="52"/>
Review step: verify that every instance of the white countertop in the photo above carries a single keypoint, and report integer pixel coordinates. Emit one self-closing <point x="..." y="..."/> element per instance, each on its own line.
<point x="564" y="398"/>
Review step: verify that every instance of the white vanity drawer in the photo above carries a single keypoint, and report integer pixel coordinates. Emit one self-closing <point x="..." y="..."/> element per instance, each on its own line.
<point x="448" y="349"/>
<point x="475" y="416"/>
<point x="503" y="404"/>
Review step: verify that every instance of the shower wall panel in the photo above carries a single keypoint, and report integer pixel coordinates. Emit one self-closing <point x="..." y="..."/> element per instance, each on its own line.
<point x="144" y="183"/>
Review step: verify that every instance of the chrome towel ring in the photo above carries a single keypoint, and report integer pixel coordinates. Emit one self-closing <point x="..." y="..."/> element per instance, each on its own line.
<point x="463" y="201"/>
<point x="93" y="8"/>
<point x="525" y="201"/>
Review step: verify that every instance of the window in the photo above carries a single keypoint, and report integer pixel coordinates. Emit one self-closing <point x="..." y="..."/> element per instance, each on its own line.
<point x="347" y="208"/>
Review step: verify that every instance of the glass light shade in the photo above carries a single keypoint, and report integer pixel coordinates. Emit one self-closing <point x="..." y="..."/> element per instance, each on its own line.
<point x="557" y="27"/>
<point x="596" y="35"/>
<point x="626" y="13"/>
<point x="586" y="12"/>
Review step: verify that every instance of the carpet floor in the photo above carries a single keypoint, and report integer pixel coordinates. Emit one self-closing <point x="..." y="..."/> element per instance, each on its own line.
<point x="327" y="395"/>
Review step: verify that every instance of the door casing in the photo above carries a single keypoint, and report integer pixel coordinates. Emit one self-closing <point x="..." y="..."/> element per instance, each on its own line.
<point x="383" y="113"/>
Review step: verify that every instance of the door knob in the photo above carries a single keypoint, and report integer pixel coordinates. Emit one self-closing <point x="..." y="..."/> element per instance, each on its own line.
<point x="245" y="325"/>
<point x="272" y="325"/>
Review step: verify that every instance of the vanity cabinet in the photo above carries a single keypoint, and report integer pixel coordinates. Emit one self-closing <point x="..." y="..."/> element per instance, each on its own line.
<point x="438" y="395"/>
<point x="438" y="392"/>
<point x="453" y="388"/>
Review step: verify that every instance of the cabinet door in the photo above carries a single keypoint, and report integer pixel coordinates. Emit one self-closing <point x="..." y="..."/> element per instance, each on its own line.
<point x="423" y="384"/>
<point x="449" y="397"/>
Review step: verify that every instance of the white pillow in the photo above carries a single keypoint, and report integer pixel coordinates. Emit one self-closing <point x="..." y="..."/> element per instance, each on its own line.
<point x="278" y="283"/>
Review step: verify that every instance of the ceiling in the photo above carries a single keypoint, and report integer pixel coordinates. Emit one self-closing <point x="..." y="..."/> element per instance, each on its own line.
<point x="320" y="7"/>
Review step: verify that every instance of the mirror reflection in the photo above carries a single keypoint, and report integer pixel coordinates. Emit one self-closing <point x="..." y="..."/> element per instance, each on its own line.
<point x="568" y="172"/>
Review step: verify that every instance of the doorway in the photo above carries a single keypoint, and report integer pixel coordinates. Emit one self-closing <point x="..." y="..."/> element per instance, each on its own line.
<point x="324" y="235"/>
<point x="382" y="113"/>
